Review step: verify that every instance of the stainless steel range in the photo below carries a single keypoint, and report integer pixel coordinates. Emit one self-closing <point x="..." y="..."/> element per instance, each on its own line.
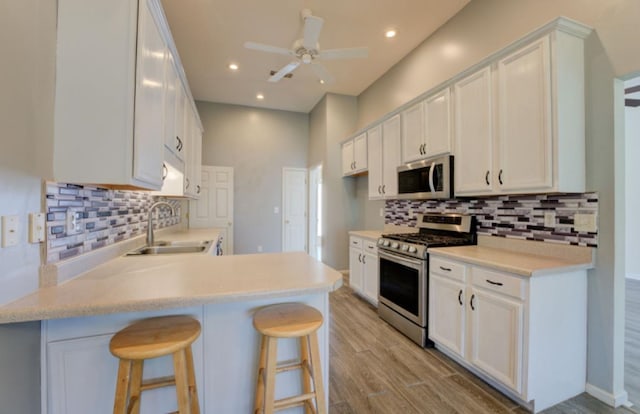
<point x="404" y="269"/>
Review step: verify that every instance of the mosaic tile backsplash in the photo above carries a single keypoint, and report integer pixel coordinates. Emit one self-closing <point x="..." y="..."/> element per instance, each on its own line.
<point x="105" y="217"/>
<point x="519" y="217"/>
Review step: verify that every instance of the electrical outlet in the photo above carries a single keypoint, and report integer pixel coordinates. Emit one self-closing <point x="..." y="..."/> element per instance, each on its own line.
<point x="36" y="227"/>
<point x="276" y="210"/>
<point x="10" y="231"/>
<point x="73" y="225"/>
<point x="585" y="223"/>
<point x="381" y="212"/>
<point x="259" y="249"/>
<point x="550" y="219"/>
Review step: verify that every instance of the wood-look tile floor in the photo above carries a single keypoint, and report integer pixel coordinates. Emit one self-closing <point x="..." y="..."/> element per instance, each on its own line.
<point x="632" y="343"/>
<point x="375" y="369"/>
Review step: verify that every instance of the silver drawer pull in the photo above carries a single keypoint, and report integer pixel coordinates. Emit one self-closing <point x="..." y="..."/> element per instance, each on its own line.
<point x="446" y="269"/>
<point x="494" y="283"/>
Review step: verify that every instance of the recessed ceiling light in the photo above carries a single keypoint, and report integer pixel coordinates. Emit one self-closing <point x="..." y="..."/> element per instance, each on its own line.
<point x="322" y="81"/>
<point x="233" y="66"/>
<point x="390" y="33"/>
<point x="260" y="96"/>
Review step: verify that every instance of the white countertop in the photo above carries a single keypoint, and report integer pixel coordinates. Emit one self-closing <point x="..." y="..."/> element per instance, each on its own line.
<point x="139" y="283"/>
<point x="367" y="234"/>
<point x="525" y="258"/>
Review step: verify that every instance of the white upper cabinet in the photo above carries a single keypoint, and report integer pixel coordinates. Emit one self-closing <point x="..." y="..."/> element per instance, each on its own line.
<point x="474" y="134"/>
<point x="437" y="109"/>
<point x="538" y="143"/>
<point x="524" y="122"/>
<point x="193" y="164"/>
<point x="149" y="115"/>
<point x="116" y="77"/>
<point x="354" y="155"/>
<point x="413" y="133"/>
<point x="384" y="158"/>
<point x="426" y="128"/>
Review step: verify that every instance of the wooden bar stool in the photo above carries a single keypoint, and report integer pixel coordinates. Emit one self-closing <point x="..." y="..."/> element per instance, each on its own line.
<point x="289" y="320"/>
<point x="152" y="338"/>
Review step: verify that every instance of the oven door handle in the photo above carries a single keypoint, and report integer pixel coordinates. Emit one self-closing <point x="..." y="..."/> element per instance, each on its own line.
<point x="399" y="259"/>
<point x="432" y="186"/>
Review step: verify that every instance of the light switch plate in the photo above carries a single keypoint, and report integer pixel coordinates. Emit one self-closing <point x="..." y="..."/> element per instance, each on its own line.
<point x="585" y="223"/>
<point x="10" y="231"/>
<point x="73" y="221"/>
<point x="36" y="227"/>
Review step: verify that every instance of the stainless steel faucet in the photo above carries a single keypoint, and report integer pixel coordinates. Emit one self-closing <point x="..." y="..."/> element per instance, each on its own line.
<point x="150" y="218"/>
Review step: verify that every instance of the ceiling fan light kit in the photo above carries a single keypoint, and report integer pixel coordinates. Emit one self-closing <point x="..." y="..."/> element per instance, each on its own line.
<point x="307" y="51"/>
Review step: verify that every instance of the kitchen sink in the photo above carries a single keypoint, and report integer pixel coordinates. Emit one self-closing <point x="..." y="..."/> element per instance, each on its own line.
<point x="175" y="247"/>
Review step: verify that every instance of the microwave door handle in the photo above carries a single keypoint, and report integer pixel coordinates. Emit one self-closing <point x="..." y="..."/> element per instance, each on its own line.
<point x="431" y="184"/>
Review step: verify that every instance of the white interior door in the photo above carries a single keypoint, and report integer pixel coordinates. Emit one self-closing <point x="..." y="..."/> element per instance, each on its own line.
<point x="294" y="210"/>
<point x="214" y="209"/>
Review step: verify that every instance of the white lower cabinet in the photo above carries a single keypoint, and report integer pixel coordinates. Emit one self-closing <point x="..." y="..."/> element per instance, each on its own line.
<point x="363" y="268"/>
<point x="525" y="335"/>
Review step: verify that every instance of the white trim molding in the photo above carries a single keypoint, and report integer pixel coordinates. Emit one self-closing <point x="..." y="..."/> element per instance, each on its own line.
<point x="634" y="276"/>
<point x="612" y="400"/>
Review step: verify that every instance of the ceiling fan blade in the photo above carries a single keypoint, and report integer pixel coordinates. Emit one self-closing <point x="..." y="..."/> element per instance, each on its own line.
<point x="267" y="48"/>
<point x="347" y="53"/>
<point x="284" y="71"/>
<point x="312" y="28"/>
<point x="322" y="73"/>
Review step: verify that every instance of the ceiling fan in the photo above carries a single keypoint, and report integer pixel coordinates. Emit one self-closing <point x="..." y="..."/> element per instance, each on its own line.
<point x="307" y="51"/>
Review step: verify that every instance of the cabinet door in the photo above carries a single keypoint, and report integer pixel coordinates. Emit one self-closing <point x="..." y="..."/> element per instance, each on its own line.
<point x="438" y="124"/>
<point x="148" y="142"/>
<point x="197" y="161"/>
<point x="347" y="157"/>
<point x="390" y="156"/>
<point x="524" y="119"/>
<point x="473" y="134"/>
<point x="371" y="277"/>
<point x="497" y="336"/>
<point x="447" y="313"/>
<point x="360" y="152"/>
<point x="356" y="269"/>
<point x="171" y="97"/>
<point x="374" y="138"/>
<point x="413" y="133"/>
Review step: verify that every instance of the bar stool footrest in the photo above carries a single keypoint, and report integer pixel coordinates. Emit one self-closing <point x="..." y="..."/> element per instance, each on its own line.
<point x="293" y="401"/>
<point x="160" y="382"/>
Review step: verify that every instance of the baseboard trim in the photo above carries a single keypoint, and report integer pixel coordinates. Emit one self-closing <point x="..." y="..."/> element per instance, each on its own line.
<point x="634" y="276"/>
<point x="612" y="400"/>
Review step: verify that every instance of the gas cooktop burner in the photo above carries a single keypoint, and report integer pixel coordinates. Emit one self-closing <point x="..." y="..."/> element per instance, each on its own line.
<point x="435" y="230"/>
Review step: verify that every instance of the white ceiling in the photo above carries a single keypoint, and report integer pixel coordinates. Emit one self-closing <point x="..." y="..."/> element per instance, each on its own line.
<point x="210" y="34"/>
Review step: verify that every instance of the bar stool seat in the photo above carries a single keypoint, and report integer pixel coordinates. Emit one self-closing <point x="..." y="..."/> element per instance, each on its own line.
<point x="153" y="338"/>
<point x="289" y="320"/>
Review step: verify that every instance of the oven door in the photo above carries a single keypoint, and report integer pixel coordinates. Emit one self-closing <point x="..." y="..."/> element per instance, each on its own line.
<point x="403" y="286"/>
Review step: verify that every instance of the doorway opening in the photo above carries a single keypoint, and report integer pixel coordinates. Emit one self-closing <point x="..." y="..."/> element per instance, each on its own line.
<point x="315" y="212"/>
<point x="632" y="244"/>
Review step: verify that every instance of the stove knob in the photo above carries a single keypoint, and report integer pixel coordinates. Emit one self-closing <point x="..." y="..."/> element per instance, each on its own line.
<point x="386" y="243"/>
<point x="380" y="242"/>
<point x="405" y="248"/>
<point x="412" y="249"/>
<point x="394" y="245"/>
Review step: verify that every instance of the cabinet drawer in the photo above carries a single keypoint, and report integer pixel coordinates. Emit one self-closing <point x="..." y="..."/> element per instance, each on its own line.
<point x="371" y="246"/>
<point x="355" y="241"/>
<point x="498" y="282"/>
<point x="453" y="270"/>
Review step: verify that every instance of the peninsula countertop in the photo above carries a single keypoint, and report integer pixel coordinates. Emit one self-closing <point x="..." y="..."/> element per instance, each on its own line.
<point x="132" y="284"/>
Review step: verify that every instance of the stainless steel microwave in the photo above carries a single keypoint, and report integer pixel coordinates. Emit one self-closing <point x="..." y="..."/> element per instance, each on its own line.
<point x="426" y="179"/>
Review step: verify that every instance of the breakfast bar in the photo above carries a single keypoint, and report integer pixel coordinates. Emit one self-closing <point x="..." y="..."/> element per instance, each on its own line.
<point x="222" y="292"/>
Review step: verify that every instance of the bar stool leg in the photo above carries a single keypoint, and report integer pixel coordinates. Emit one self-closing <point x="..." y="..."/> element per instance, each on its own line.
<point x="305" y="361"/>
<point x="134" y="387"/>
<point x="270" y="380"/>
<point x="259" y="400"/>
<point x="316" y="363"/>
<point x="182" y="384"/>
<point x="191" y="377"/>
<point x="122" y="387"/>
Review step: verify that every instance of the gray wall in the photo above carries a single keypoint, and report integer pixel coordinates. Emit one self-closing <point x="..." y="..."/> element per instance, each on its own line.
<point x="331" y="121"/>
<point x="27" y="43"/>
<point x="485" y="26"/>
<point x="258" y="143"/>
